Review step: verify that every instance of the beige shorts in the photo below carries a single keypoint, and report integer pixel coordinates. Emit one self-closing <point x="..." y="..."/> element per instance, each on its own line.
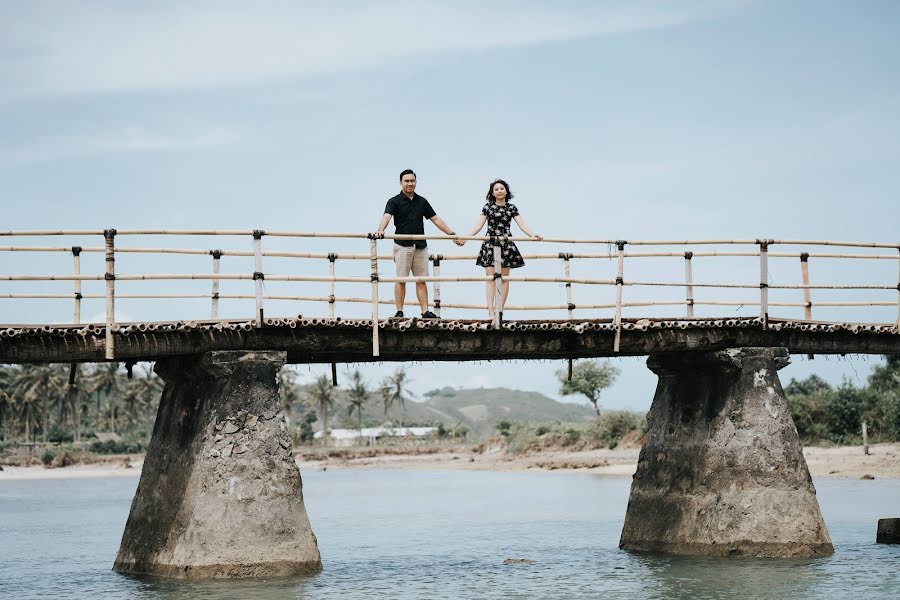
<point x="411" y="259"/>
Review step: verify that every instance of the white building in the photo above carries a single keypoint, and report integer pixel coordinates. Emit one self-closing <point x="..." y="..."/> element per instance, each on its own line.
<point x="351" y="436"/>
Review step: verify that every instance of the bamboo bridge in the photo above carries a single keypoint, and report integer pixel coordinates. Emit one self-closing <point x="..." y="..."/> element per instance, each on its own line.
<point x="721" y="471"/>
<point x="586" y="329"/>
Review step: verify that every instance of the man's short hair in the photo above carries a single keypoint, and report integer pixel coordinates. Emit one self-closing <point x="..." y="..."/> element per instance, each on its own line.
<point x="407" y="172"/>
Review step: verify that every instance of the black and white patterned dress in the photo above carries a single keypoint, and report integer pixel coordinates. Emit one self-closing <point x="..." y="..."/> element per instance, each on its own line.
<point x="498" y="220"/>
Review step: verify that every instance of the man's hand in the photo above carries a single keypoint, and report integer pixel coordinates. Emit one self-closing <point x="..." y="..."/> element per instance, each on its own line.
<point x="459" y="242"/>
<point x="378" y="235"/>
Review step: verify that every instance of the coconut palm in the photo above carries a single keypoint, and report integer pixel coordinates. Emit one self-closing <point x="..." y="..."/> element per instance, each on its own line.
<point x="288" y="391"/>
<point x="138" y="396"/>
<point x="37" y="384"/>
<point x="105" y="381"/>
<point x="322" y="393"/>
<point x="393" y="390"/>
<point x="358" y="393"/>
<point x="6" y="403"/>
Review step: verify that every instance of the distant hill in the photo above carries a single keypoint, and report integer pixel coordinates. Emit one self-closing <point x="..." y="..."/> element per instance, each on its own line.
<point x="479" y="409"/>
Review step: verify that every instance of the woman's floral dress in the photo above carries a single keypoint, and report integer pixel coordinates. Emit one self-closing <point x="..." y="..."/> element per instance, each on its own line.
<point x="498" y="220"/>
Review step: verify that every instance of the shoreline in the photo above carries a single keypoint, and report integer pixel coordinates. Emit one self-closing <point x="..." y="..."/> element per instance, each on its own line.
<point x="840" y="462"/>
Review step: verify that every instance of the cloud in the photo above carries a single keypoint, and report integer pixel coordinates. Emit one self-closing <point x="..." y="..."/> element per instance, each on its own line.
<point x="106" y="46"/>
<point x="126" y="139"/>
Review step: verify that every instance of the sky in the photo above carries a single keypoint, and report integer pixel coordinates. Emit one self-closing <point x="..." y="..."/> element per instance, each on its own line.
<point x="636" y="119"/>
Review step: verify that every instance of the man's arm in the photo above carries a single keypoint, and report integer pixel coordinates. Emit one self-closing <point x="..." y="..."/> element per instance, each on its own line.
<point x="384" y="223"/>
<point x="439" y="223"/>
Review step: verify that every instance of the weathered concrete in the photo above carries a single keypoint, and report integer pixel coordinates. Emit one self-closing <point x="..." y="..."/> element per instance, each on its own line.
<point x="888" y="531"/>
<point x="220" y="494"/>
<point x="721" y="472"/>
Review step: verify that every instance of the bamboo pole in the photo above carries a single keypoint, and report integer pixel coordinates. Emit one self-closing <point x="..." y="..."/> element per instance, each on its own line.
<point x="688" y="280"/>
<point x="567" y="274"/>
<point x="865" y="432"/>
<point x="76" y="270"/>
<point x="807" y="297"/>
<point x="527" y="279"/>
<point x="763" y="281"/>
<point x="498" y="282"/>
<point x="373" y="245"/>
<point x="109" y="237"/>
<point x="232" y="232"/>
<point x="331" y="301"/>
<point x="437" y="284"/>
<point x="258" y="276"/>
<point x="35" y="233"/>
<point x="323" y="255"/>
<point x="620" y="268"/>
<point x="214" y="305"/>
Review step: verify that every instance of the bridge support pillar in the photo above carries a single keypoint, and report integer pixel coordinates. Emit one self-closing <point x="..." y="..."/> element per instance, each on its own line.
<point x="721" y="472"/>
<point x="220" y="494"/>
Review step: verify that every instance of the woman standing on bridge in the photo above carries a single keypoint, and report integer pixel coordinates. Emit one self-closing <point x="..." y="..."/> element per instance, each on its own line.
<point x="498" y="214"/>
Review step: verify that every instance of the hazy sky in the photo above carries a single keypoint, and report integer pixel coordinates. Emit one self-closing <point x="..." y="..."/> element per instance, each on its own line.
<point x="614" y="120"/>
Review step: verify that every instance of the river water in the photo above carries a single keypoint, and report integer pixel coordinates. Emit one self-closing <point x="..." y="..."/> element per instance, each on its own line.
<point x="408" y="534"/>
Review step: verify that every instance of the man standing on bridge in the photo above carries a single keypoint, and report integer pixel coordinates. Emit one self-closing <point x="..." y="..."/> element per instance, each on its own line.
<point x="409" y="210"/>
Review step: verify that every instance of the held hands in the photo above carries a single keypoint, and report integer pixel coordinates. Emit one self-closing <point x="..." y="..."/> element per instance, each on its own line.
<point x="459" y="242"/>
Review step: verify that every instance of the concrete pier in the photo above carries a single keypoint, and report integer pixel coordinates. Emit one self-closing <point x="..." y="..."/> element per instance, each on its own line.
<point x="888" y="531"/>
<point x="220" y="494"/>
<point x="721" y="472"/>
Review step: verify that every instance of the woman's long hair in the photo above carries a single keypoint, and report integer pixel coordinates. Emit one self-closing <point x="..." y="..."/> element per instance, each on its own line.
<point x="490" y="193"/>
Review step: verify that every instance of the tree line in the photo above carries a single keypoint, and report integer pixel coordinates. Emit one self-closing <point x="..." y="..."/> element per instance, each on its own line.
<point x="64" y="403"/>
<point x="67" y="403"/>
<point x="826" y="413"/>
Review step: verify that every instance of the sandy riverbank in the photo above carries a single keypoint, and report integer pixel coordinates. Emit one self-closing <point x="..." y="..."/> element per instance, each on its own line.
<point x="846" y="462"/>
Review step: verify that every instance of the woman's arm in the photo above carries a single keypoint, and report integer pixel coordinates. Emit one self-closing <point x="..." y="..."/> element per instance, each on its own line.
<point x="521" y="223"/>
<point x="481" y="221"/>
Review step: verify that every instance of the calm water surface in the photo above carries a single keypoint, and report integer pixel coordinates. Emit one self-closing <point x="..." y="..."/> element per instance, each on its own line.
<point x="408" y="534"/>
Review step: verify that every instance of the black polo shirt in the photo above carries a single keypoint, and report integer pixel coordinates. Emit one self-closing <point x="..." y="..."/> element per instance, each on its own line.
<point x="409" y="215"/>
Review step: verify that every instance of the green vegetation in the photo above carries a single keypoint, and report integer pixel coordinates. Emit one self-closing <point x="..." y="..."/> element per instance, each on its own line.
<point x="63" y="404"/>
<point x="604" y="432"/>
<point x="588" y="379"/>
<point x="823" y="413"/>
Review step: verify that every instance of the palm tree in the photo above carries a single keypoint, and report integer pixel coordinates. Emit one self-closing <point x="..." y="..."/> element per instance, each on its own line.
<point x="322" y="393"/>
<point x="288" y="391"/>
<point x="37" y="383"/>
<point x="6" y="403"/>
<point x="393" y="390"/>
<point x="105" y="381"/>
<point x="139" y="395"/>
<point x="358" y="393"/>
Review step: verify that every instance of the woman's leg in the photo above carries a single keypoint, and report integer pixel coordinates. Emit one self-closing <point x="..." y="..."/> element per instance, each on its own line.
<point x="505" y="290"/>
<point x="489" y="271"/>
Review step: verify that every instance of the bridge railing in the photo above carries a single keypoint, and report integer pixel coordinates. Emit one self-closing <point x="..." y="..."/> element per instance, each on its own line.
<point x="618" y="250"/>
